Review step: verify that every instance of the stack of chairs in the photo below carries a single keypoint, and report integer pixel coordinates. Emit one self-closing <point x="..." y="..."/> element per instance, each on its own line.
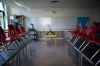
<point x="10" y="46"/>
<point x="84" y="46"/>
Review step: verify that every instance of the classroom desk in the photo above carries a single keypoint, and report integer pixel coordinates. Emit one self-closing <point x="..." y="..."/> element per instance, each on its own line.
<point x="50" y="36"/>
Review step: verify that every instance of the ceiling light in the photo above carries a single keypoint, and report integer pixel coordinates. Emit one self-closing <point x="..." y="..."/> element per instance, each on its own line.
<point x="54" y="1"/>
<point x="18" y="4"/>
<point x="54" y="12"/>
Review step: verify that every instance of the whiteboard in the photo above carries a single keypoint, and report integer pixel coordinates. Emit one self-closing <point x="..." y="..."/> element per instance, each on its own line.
<point x="57" y="23"/>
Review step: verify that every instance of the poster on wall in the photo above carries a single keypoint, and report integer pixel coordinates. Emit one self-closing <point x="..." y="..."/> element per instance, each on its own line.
<point x="82" y="21"/>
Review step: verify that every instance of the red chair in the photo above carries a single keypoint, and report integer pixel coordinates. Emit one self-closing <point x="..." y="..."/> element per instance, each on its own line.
<point x="90" y="36"/>
<point x="15" y="32"/>
<point x="12" y="31"/>
<point x="23" y="30"/>
<point x="18" y="31"/>
<point x="3" y="37"/>
<point x="70" y="33"/>
<point x="22" y="34"/>
<point x="92" y="50"/>
<point x="92" y="32"/>
<point x="82" y="39"/>
<point x="76" y="29"/>
<point x="8" y="41"/>
<point x="75" y="34"/>
<point x="82" y="31"/>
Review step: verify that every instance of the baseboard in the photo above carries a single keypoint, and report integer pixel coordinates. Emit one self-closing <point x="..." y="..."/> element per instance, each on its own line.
<point x="44" y="38"/>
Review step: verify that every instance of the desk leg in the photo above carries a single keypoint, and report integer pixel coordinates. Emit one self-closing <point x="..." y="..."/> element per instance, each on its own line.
<point x="45" y="40"/>
<point x="55" y="41"/>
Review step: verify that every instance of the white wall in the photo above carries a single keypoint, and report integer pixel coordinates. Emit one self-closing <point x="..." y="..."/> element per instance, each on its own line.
<point x="48" y="12"/>
<point x="63" y="19"/>
<point x="97" y="15"/>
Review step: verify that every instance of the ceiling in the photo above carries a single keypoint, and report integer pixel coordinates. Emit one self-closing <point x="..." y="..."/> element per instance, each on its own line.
<point x="40" y="4"/>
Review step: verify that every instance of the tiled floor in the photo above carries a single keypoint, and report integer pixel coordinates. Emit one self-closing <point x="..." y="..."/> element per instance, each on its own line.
<point x="39" y="54"/>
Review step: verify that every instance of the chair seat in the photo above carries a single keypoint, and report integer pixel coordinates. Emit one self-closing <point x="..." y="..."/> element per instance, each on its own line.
<point x="7" y="40"/>
<point x="97" y="41"/>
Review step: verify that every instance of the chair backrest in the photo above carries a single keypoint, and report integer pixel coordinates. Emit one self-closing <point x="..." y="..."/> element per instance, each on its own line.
<point x="18" y="31"/>
<point x="98" y="31"/>
<point x="76" y="28"/>
<point x="2" y="34"/>
<point x="92" y="32"/>
<point x="83" y="29"/>
<point x="22" y="29"/>
<point x="11" y="30"/>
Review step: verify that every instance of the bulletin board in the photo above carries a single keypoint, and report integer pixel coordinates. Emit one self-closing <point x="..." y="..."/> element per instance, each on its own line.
<point x="83" y="20"/>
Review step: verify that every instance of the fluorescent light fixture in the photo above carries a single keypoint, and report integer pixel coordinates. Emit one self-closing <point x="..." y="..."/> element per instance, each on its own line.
<point x="18" y="4"/>
<point x="11" y="17"/>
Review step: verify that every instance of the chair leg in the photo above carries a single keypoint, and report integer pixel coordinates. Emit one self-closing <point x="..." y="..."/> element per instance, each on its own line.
<point x="82" y="44"/>
<point x="76" y="40"/>
<point x="85" y="46"/>
<point x="95" y="54"/>
<point x="97" y="63"/>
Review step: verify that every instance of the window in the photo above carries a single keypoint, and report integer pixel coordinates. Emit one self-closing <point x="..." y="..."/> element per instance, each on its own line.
<point x="3" y="19"/>
<point x="1" y="6"/>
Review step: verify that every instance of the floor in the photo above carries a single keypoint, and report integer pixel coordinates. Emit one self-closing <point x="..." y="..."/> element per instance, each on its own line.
<point x="36" y="53"/>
